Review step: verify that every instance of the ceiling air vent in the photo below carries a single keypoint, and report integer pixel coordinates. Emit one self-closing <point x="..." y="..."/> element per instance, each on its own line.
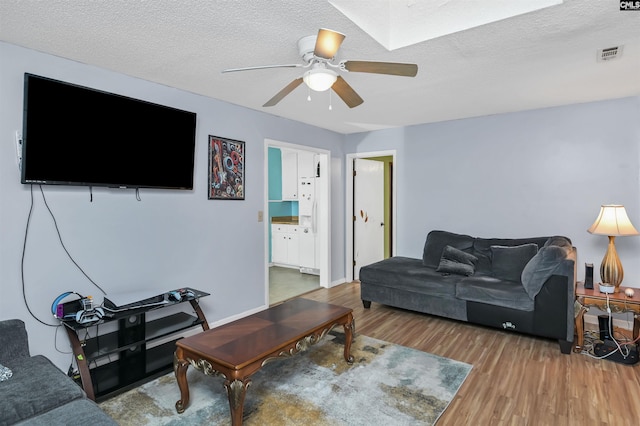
<point x="609" y="53"/>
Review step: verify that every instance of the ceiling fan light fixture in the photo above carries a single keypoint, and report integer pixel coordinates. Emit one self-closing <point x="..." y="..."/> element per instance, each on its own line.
<point x="320" y="79"/>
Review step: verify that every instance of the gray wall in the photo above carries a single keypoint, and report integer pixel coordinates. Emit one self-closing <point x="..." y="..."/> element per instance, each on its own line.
<point x="524" y="174"/>
<point x="533" y="173"/>
<point x="168" y="240"/>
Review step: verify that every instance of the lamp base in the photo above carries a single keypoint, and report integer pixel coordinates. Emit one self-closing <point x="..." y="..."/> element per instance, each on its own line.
<point x="611" y="270"/>
<point x="606" y="288"/>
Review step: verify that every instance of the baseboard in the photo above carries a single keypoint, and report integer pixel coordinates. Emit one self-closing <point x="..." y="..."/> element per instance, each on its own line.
<point x="337" y="282"/>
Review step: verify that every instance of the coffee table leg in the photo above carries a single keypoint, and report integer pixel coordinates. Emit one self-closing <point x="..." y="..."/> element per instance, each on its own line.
<point x="236" y="391"/>
<point x="349" y="329"/>
<point x="180" y="369"/>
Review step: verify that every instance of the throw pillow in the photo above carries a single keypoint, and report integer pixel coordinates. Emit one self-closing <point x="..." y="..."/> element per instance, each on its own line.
<point x="438" y="240"/>
<point x="560" y="242"/>
<point x="541" y="267"/>
<point x="507" y="262"/>
<point x="455" y="261"/>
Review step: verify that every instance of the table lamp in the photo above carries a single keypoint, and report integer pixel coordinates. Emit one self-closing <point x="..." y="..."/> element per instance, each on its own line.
<point x="612" y="222"/>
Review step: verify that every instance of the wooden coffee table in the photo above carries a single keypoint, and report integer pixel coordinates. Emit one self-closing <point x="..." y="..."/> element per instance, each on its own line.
<point x="238" y="349"/>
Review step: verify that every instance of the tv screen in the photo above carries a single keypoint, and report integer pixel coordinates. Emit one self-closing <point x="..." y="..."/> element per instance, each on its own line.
<point x="74" y="135"/>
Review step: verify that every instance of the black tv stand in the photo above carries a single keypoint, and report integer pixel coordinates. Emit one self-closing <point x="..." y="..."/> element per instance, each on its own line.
<point x="116" y="361"/>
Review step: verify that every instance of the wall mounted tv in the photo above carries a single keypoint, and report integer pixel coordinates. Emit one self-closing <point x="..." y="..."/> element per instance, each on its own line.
<point x="74" y="135"/>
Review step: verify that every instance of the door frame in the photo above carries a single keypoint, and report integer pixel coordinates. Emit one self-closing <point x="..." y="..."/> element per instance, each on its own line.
<point x="324" y="216"/>
<point x="349" y="204"/>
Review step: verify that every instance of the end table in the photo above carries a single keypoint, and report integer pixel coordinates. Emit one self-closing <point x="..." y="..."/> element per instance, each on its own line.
<point x="618" y="302"/>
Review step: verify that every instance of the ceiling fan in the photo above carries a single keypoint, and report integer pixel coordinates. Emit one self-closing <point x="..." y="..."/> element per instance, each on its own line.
<point x="318" y="52"/>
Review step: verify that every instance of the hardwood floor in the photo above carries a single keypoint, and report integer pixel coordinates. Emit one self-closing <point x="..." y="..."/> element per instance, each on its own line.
<point x="516" y="379"/>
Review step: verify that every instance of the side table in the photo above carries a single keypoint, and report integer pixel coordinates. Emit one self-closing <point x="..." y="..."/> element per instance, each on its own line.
<point x="618" y="302"/>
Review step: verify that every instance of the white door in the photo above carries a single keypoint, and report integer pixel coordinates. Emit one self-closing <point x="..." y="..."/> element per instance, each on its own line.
<point x="368" y="209"/>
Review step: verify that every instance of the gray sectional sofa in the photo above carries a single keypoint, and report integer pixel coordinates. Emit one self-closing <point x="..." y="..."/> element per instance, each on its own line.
<point x="525" y="285"/>
<point x="37" y="392"/>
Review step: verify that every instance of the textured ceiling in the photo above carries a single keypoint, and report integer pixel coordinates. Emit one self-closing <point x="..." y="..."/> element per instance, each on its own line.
<point x="533" y="60"/>
<point x="395" y="24"/>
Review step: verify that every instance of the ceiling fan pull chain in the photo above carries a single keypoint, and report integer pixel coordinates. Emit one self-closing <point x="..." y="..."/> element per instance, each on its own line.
<point x="330" y="108"/>
<point x="309" y="93"/>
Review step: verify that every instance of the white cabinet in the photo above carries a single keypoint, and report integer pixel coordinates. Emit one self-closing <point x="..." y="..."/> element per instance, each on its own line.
<point x="289" y="174"/>
<point x="278" y="247"/>
<point x="293" y="248"/>
<point x="306" y="164"/>
<point x="285" y="245"/>
<point x="295" y="165"/>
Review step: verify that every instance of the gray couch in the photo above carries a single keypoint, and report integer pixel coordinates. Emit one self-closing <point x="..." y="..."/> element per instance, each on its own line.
<point x="525" y="285"/>
<point x="38" y="393"/>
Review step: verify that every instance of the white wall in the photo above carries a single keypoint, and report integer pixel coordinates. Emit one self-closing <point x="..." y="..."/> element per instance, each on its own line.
<point x="532" y="173"/>
<point x="168" y="240"/>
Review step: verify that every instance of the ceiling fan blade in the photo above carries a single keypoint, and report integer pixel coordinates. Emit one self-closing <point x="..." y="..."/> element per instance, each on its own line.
<point x="284" y="92"/>
<point x="346" y="93"/>
<point x="261" y="67"/>
<point x="327" y="43"/>
<point x="391" y="68"/>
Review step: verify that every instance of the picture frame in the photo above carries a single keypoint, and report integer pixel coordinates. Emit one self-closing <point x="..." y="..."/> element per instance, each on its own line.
<point x="226" y="169"/>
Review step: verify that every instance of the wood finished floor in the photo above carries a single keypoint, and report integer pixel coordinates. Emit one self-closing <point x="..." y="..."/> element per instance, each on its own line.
<point x="516" y="379"/>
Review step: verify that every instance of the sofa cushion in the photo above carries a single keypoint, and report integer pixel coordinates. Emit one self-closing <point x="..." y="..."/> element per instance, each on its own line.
<point x="541" y="267"/>
<point x="80" y="412"/>
<point x="14" y="341"/>
<point x="409" y="274"/>
<point x="494" y="291"/>
<point x="507" y="263"/>
<point x="438" y="240"/>
<point x="37" y="386"/>
<point x="482" y="249"/>
<point x="454" y="261"/>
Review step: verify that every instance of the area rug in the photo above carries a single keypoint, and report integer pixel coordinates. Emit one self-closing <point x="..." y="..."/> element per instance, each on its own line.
<point x="387" y="384"/>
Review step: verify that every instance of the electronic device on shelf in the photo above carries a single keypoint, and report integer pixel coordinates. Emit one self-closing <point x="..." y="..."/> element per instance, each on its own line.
<point x="118" y="302"/>
<point x="606" y="288"/>
<point x="588" y="275"/>
<point x="610" y="351"/>
<point x="122" y="302"/>
<point x="178" y="295"/>
<point x="82" y="310"/>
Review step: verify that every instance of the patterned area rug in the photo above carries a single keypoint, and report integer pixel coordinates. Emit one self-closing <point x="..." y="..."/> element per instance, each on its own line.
<point x="386" y="385"/>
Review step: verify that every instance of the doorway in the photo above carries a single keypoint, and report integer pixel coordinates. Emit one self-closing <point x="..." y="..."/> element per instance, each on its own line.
<point x="370" y="190"/>
<point x="297" y="220"/>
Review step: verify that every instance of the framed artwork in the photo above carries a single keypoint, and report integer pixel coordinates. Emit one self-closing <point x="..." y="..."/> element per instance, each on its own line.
<point x="226" y="169"/>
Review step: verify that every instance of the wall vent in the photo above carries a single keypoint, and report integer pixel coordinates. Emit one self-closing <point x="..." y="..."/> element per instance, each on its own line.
<point x="609" y="53"/>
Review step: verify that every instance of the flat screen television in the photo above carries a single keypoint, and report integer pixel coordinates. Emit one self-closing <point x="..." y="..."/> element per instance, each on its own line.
<point x="74" y="135"/>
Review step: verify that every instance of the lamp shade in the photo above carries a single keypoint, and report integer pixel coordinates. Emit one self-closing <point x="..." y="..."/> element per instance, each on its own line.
<point x="612" y="221"/>
<point x="320" y="79"/>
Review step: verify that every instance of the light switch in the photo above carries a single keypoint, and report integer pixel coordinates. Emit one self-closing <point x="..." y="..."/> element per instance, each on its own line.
<point x="260" y="216"/>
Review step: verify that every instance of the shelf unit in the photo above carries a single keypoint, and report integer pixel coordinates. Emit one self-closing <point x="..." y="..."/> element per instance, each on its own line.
<point x="116" y="361"/>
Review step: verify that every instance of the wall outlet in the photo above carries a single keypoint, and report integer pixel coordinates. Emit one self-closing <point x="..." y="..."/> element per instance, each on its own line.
<point x="19" y="149"/>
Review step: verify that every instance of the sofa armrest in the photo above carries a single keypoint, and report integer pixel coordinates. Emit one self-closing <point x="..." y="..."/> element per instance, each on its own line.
<point x="14" y="342"/>
<point x="554" y="304"/>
